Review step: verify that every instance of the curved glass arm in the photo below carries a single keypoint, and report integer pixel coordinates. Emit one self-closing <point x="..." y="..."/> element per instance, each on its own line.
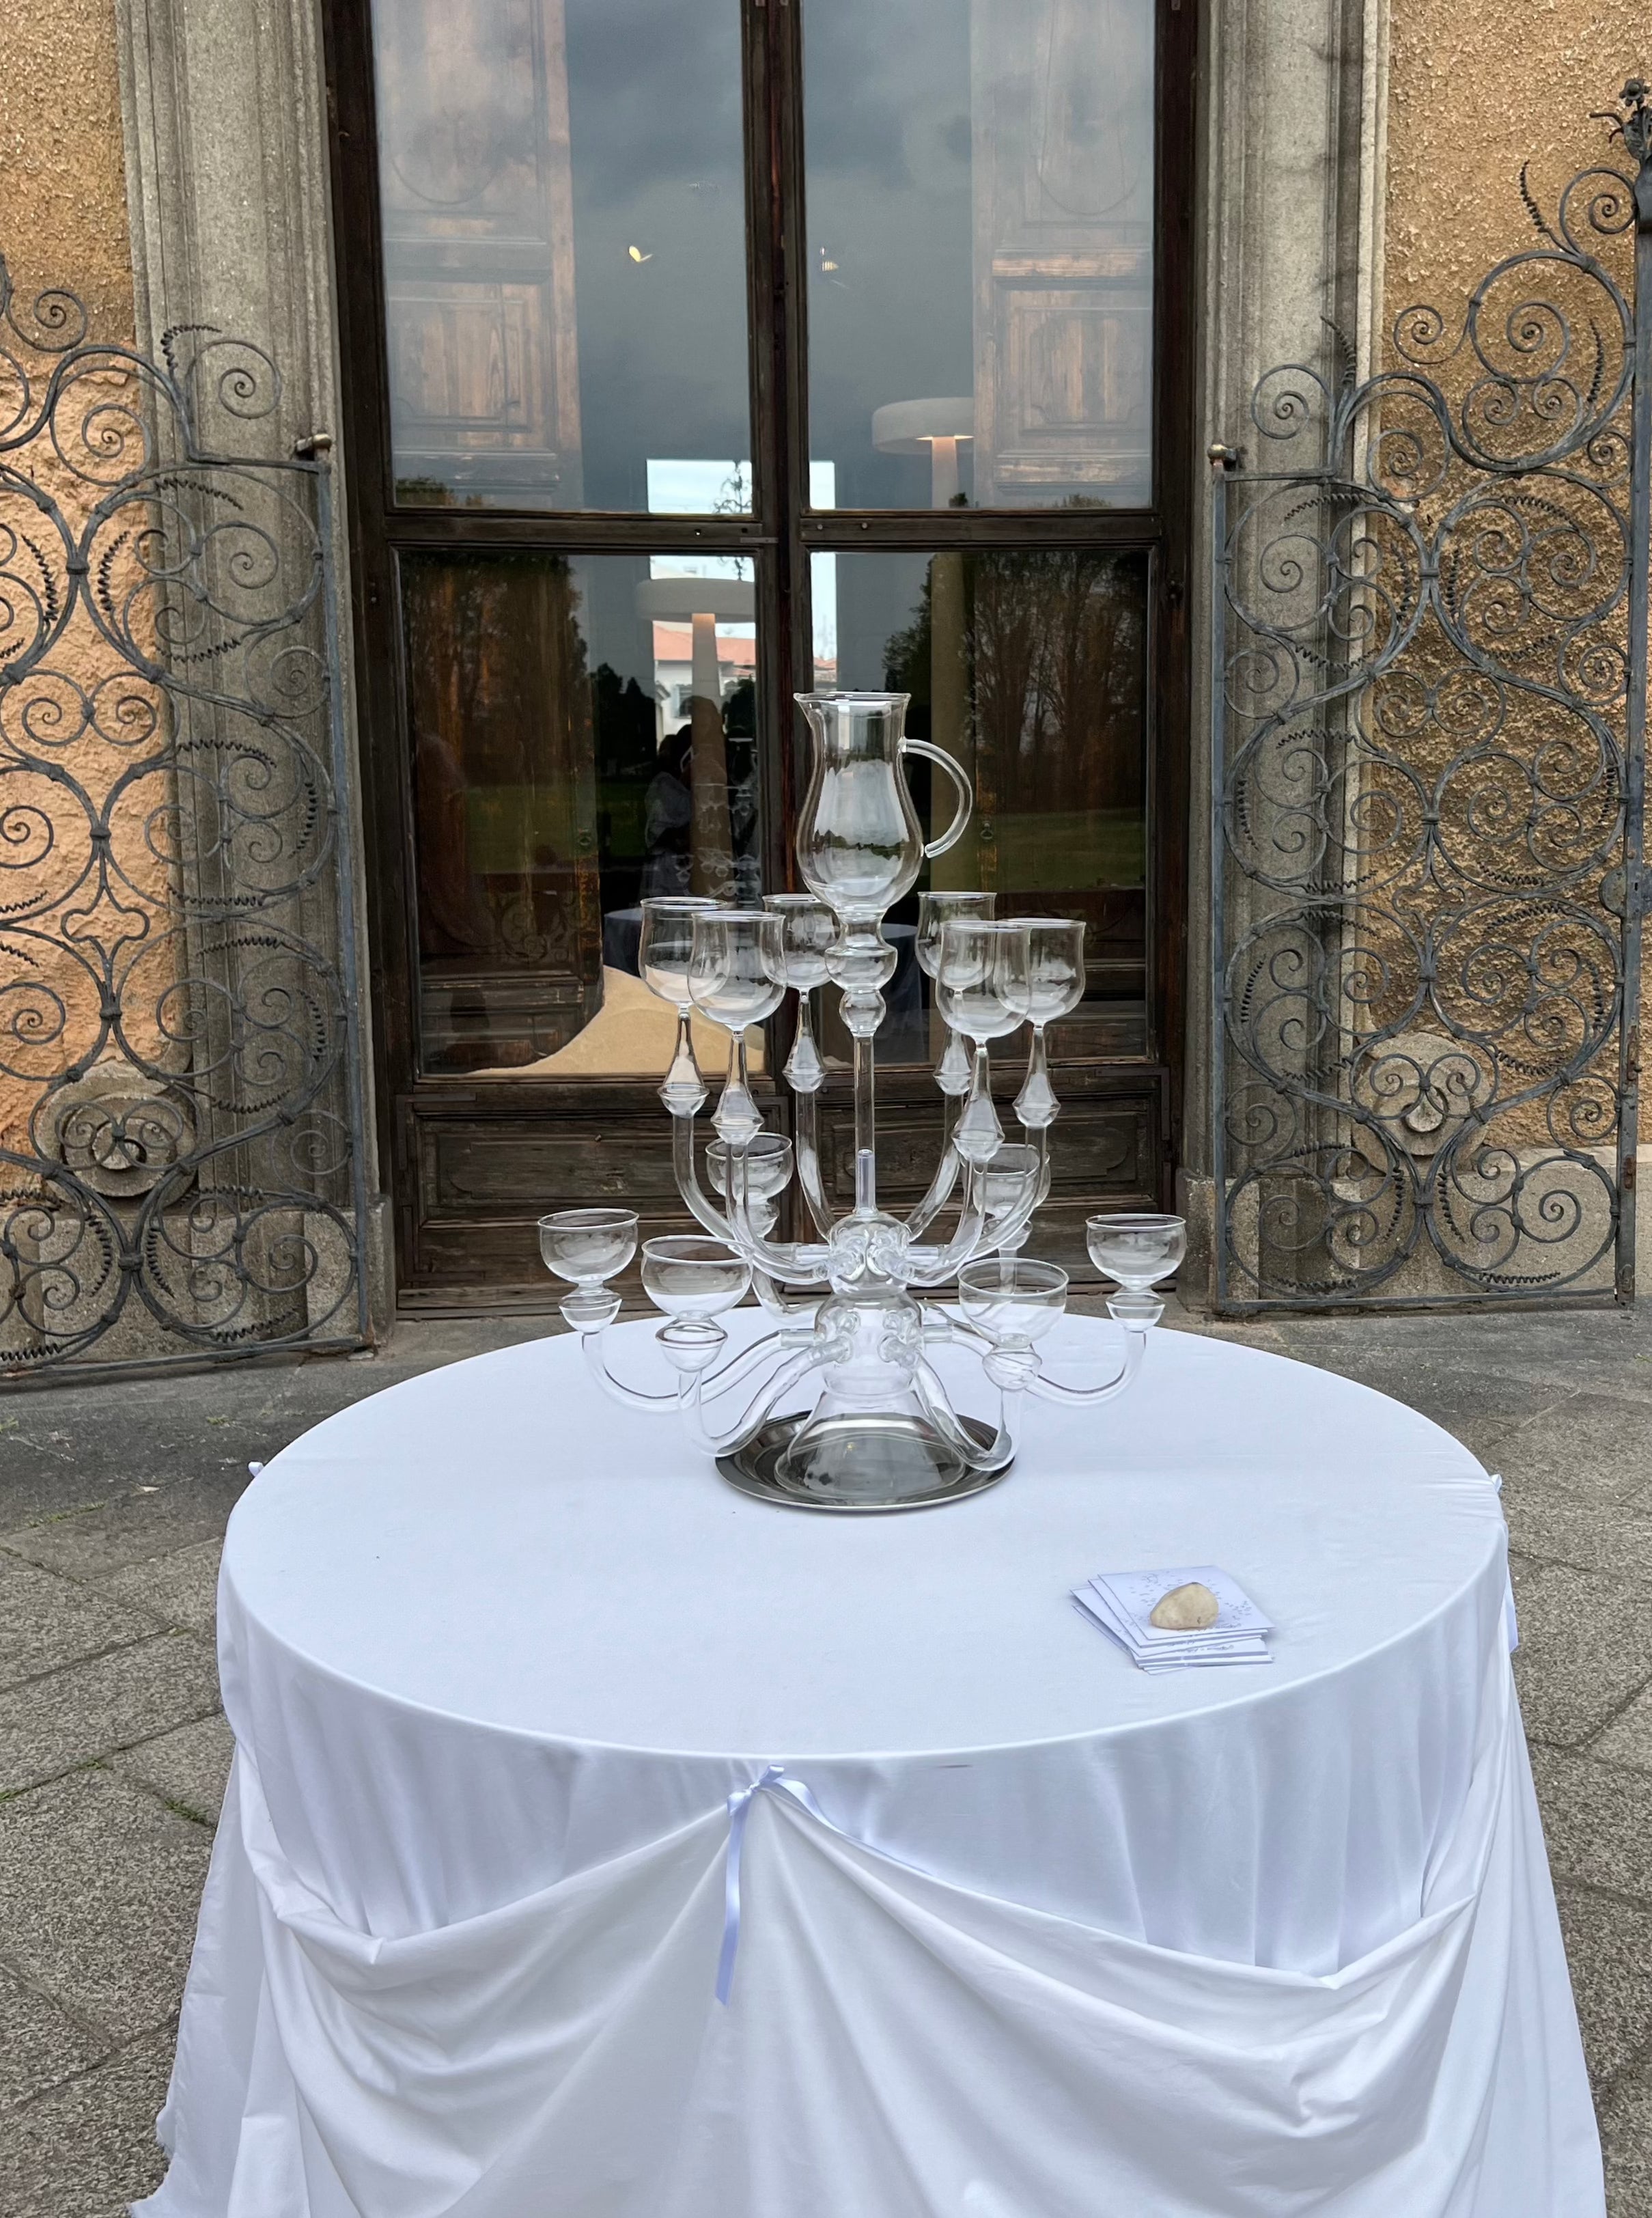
<point x="798" y="1262"/>
<point x="932" y="1267"/>
<point x="690" y="1400"/>
<point x="940" y="1186"/>
<point x="687" y="1178"/>
<point x="1082" y="1397"/>
<point x="591" y="1347"/>
<point x="788" y="1316"/>
<point x="805" y="1145"/>
<point x="789" y="1340"/>
<point x="937" y="1404"/>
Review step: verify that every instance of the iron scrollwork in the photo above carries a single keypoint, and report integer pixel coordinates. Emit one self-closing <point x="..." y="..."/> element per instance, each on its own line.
<point x="180" y="1157"/>
<point x="1428" y="711"/>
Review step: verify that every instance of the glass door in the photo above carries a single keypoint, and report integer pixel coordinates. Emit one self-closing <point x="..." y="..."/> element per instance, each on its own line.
<point x="702" y="350"/>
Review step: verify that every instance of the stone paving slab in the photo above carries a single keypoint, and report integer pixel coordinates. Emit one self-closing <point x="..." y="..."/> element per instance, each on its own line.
<point x="181" y="1588"/>
<point x="46" y="1622"/>
<point x="41" y="2044"/>
<point x="1627" y="1741"/>
<point x="88" y="2147"/>
<point x="1585" y="1647"/>
<point x="113" y="1499"/>
<point x="188" y="1767"/>
<point x="99" y="1886"/>
<point x="1626" y="2135"/>
<point x="77" y="1714"/>
<point x="1609" y="1947"/>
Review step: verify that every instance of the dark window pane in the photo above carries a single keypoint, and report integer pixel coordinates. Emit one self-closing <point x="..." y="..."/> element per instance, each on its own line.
<point x="564" y="274"/>
<point x="979" y="223"/>
<point x="566" y="714"/>
<point x="1030" y="669"/>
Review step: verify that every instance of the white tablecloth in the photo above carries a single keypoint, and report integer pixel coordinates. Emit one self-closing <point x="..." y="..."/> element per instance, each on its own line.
<point x="1067" y="1940"/>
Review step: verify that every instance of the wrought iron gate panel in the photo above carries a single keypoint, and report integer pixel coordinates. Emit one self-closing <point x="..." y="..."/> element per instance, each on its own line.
<point x="1428" y="708"/>
<point x="181" y="1135"/>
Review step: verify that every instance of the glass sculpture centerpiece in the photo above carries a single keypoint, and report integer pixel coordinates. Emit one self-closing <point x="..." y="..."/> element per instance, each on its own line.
<point x="838" y="1405"/>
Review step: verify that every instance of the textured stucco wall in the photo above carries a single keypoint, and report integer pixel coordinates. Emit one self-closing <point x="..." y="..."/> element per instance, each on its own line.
<point x="1475" y="89"/>
<point x="63" y="222"/>
<point x="63" y="186"/>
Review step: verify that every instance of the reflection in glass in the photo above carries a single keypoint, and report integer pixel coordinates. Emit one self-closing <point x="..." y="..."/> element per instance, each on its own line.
<point x="1030" y="670"/>
<point x="979" y="180"/>
<point x="578" y="745"/>
<point x="564" y="238"/>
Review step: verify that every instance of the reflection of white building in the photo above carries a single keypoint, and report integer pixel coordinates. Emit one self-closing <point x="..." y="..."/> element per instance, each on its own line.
<point x="736" y="659"/>
<point x="699" y="487"/>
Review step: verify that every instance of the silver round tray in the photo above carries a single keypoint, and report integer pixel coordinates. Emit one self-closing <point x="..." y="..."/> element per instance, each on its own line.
<point x="753" y="1468"/>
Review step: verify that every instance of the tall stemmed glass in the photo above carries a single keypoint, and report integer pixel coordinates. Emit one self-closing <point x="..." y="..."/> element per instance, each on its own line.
<point x="808" y="929"/>
<point x="663" y="957"/>
<point x="737" y="976"/>
<point x="934" y="911"/>
<point x="1055" y="989"/>
<point x="981" y="989"/>
<point x="811" y="932"/>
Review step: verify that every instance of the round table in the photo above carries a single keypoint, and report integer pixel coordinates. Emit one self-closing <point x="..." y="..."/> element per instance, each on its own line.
<point x="1022" y="1932"/>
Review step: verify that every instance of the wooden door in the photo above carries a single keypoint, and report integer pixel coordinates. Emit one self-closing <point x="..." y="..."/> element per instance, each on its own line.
<point x="539" y="677"/>
<point x="1063" y="180"/>
<point x="479" y="250"/>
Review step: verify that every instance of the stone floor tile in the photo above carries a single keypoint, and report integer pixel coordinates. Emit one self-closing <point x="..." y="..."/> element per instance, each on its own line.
<point x="187" y="1767"/>
<point x="1593" y="1444"/>
<point x="99" y="1889"/>
<point x="102" y="1535"/>
<point x="1598" y="1822"/>
<point x="1554" y="1526"/>
<point x="39" y="2044"/>
<point x="47" y="1621"/>
<point x="1609" y="1947"/>
<point x="1585" y="1647"/>
<point x="1627" y="1741"/>
<point x="83" y="1711"/>
<point x="1453" y="1393"/>
<point x="181" y="1588"/>
<point x="87" y="2149"/>
<point x="1626" y="2145"/>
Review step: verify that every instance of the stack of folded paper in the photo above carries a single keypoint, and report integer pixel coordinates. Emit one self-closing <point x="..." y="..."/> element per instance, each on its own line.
<point x="1167" y="1620"/>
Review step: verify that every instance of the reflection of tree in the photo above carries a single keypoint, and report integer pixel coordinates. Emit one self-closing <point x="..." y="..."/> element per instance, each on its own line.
<point x="499" y="710"/>
<point x="1056" y="644"/>
<point x="1053" y="646"/>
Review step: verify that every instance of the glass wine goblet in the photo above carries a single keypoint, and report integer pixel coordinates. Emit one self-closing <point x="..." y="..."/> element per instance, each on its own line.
<point x="737" y="977"/>
<point x="1013" y="1301"/>
<point x="1014" y="1298"/>
<point x="663" y="958"/>
<point x="766" y="1172"/>
<point x="587" y="1247"/>
<point x="1005" y="1179"/>
<point x="1055" y="989"/>
<point x="1137" y="1250"/>
<point x="808" y="930"/>
<point x="693" y="1279"/>
<point x="934" y="911"/>
<point x="980" y="989"/>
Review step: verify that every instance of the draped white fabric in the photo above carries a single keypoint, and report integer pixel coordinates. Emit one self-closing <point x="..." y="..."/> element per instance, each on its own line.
<point x="1239" y="1944"/>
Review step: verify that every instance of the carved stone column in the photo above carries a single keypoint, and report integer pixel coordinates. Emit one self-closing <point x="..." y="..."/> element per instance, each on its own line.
<point x="224" y="114"/>
<point x="1292" y="131"/>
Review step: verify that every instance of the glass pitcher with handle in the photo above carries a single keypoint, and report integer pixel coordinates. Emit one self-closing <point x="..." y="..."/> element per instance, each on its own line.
<point x="860" y="845"/>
